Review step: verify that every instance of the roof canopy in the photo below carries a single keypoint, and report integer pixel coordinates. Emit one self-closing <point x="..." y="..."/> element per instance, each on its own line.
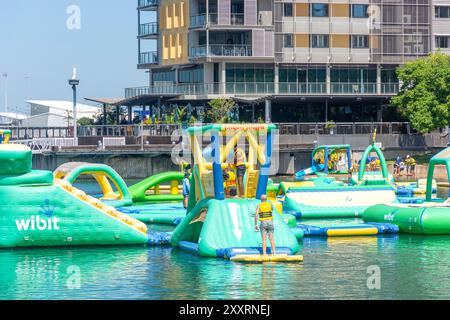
<point x="64" y="105"/>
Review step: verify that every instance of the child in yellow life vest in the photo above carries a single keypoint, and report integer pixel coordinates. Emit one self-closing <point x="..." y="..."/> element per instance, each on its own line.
<point x="239" y="161"/>
<point x="264" y="213"/>
<point x="229" y="178"/>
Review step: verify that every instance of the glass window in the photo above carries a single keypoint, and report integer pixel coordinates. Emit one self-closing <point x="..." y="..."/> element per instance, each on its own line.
<point x="442" y="42"/>
<point x="388" y="75"/>
<point x="319" y="40"/>
<point x="288" y="41"/>
<point x="360" y="41"/>
<point x="442" y="12"/>
<point x="317" y="75"/>
<point x="319" y="10"/>
<point x="360" y="10"/>
<point x="288" y="10"/>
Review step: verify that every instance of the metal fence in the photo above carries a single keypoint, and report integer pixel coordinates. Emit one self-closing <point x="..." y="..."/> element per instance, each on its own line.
<point x="164" y="130"/>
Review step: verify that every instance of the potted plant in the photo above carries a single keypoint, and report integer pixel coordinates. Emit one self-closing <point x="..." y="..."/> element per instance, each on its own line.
<point x="330" y="125"/>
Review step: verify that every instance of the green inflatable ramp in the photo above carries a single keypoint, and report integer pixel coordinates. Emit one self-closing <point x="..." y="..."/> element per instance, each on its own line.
<point x="39" y="211"/>
<point x="225" y="228"/>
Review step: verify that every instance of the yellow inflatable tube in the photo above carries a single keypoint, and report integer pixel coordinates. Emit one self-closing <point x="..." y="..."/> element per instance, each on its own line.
<point x="270" y="258"/>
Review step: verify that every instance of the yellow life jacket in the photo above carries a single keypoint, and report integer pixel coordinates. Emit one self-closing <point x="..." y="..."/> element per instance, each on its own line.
<point x="239" y="157"/>
<point x="265" y="211"/>
<point x="231" y="181"/>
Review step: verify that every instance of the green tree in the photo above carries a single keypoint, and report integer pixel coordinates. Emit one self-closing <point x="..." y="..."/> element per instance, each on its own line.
<point x="85" y="121"/>
<point x="111" y="116"/>
<point x="424" y="97"/>
<point x="219" y="110"/>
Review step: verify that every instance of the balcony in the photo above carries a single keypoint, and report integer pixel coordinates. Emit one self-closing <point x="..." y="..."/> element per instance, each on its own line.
<point x="198" y="21"/>
<point x="147" y="3"/>
<point x="174" y="89"/>
<point x="390" y="88"/>
<point x="148" y="29"/>
<point x="302" y="88"/>
<point x="237" y="19"/>
<point x="148" y="57"/>
<point x="255" y="88"/>
<point x="353" y="88"/>
<point x="221" y="50"/>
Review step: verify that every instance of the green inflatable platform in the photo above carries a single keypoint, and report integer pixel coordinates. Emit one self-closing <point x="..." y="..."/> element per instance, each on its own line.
<point x="38" y="210"/>
<point x="223" y="228"/>
<point x="431" y="217"/>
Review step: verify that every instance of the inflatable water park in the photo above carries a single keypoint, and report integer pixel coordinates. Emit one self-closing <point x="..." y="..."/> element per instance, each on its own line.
<point x="43" y="209"/>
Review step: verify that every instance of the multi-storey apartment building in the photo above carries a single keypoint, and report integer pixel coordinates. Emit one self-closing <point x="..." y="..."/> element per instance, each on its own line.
<point x="303" y="60"/>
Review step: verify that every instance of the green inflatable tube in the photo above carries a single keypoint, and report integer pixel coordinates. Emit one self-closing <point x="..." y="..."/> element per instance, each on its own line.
<point x="414" y="219"/>
<point x="138" y="191"/>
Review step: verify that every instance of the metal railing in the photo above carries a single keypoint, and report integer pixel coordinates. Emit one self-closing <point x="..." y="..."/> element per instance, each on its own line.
<point x="148" y="57"/>
<point x="147" y="3"/>
<point x="353" y="88"/>
<point x="222" y="50"/>
<point x="345" y="128"/>
<point x="160" y="130"/>
<point x="148" y="29"/>
<point x="284" y="88"/>
<point x="37" y="140"/>
<point x="237" y="19"/>
<point x="302" y="88"/>
<point x="199" y="20"/>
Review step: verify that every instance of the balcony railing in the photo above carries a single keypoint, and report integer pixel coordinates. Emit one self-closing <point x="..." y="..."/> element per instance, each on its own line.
<point x="64" y="134"/>
<point x="353" y="88"/>
<point x="148" y="29"/>
<point x="199" y="20"/>
<point x="302" y="88"/>
<point x="222" y="50"/>
<point x="237" y="19"/>
<point x="390" y="88"/>
<point x="252" y="88"/>
<point x="148" y="57"/>
<point x="147" y="3"/>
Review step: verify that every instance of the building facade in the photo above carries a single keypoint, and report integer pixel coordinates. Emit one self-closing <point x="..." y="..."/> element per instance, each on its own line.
<point x="305" y="60"/>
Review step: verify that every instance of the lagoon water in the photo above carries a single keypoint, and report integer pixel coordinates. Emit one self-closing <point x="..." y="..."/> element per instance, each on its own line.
<point x="411" y="267"/>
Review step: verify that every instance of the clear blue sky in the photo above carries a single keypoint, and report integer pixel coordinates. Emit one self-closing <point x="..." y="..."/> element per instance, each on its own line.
<point x="35" y="43"/>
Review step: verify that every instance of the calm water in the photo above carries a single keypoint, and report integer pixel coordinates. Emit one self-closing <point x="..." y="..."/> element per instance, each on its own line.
<point x="412" y="267"/>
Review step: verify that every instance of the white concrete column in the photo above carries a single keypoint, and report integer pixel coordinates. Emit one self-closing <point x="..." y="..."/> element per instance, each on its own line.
<point x="328" y="79"/>
<point x="223" y="77"/>
<point x="268" y="111"/>
<point x="277" y="78"/>
<point x="378" y="79"/>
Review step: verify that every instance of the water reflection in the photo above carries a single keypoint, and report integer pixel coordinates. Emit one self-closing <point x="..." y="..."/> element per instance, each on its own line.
<point x="412" y="267"/>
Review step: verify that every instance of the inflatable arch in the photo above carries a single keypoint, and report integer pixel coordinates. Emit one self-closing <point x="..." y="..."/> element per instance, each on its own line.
<point x="103" y="174"/>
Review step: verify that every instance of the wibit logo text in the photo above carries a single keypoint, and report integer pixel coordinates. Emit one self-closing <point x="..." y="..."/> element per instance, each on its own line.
<point x="38" y="223"/>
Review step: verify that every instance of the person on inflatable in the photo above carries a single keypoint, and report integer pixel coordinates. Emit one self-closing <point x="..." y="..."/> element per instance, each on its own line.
<point x="229" y="178"/>
<point x="239" y="162"/>
<point x="264" y="213"/>
<point x="186" y="188"/>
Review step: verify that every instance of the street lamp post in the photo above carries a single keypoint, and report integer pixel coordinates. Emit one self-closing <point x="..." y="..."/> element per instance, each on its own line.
<point x="74" y="82"/>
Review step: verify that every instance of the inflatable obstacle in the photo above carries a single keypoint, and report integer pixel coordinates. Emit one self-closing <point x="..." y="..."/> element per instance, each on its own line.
<point x="431" y="217"/>
<point x="342" y="230"/>
<point x="114" y="188"/>
<point x="218" y="225"/>
<point x="38" y="210"/>
<point x="324" y="197"/>
<point x="409" y="189"/>
<point x="268" y="258"/>
<point x="161" y="187"/>
<point x="330" y="159"/>
<point x="225" y="228"/>
<point x="157" y="213"/>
